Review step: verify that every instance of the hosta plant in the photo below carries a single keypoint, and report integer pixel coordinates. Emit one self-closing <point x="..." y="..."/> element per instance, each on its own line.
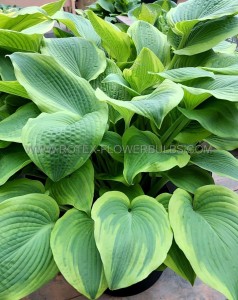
<point x="94" y="124"/>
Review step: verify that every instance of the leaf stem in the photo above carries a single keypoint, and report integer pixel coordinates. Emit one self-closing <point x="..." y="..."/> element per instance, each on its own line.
<point x="158" y="186"/>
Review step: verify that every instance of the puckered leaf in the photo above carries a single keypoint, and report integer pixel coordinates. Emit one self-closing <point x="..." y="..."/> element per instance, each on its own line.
<point x="60" y="144"/>
<point x="116" y="42"/>
<point x="78" y="55"/>
<point x="11" y="127"/>
<point x="20" y="187"/>
<point x="133" y="238"/>
<point x="76" y="189"/>
<point x="144" y="34"/>
<point x="213" y="213"/>
<point x="186" y="15"/>
<point x="83" y="267"/>
<point x="154" y="106"/>
<point x="143" y="153"/>
<point x="42" y="76"/>
<point x="26" y="260"/>
<point x="139" y="75"/>
<point x="12" y="159"/>
<point x="220" y="162"/>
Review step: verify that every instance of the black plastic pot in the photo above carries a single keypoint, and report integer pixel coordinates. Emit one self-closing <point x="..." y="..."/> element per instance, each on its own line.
<point x="137" y="288"/>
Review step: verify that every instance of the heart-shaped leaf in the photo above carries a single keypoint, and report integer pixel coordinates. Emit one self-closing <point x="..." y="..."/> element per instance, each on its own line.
<point x="59" y="144"/>
<point x="26" y="260"/>
<point x="133" y="238"/>
<point x="206" y="229"/>
<point x="83" y="267"/>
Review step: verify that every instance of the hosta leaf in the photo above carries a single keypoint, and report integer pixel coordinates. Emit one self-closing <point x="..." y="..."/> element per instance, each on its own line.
<point x="205" y="36"/>
<point x="146" y="35"/>
<point x="184" y="74"/>
<point x="218" y="161"/>
<point x="116" y="42"/>
<point x="6" y="68"/>
<point x="222" y="64"/>
<point x="11" y="127"/>
<point x="138" y="75"/>
<point x="177" y="261"/>
<point x="112" y="143"/>
<point x="40" y="28"/>
<point x="193" y="133"/>
<point x="12" y="159"/>
<point x="223" y="87"/>
<point x="83" y="267"/>
<point x="143" y="153"/>
<point x="146" y="12"/>
<point x="79" y="25"/>
<point x="186" y="15"/>
<point x="78" y="55"/>
<point x="133" y="240"/>
<point x="222" y="143"/>
<point x="13" y="88"/>
<point x="225" y="47"/>
<point x="112" y="89"/>
<point x="60" y="144"/>
<point x="53" y="7"/>
<point x="23" y="18"/>
<point x="213" y="213"/>
<point x="26" y="259"/>
<point x="42" y="76"/>
<point x="189" y="178"/>
<point x="17" y="41"/>
<point x="76" y="189"/>
<point x="20" y="187"/>
<point x="224" y="111"/>
<point x="154" y="106"/>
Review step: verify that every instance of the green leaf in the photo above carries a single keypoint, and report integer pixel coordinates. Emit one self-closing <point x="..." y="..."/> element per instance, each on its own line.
<point x="17" y="41"/>
<point x="205" y="36"/>
<point x="177" y="261"/>
<point x="154" y="106"/>
<point x="146" y="12"/>
<point x="222" y="143"/>
<point x="164" y="199"/>
<point x="186" y="15"/>
<point x="40" y="28"/>
<point x="20" y="187"/>
<point x="138" y="75"/>
<point x="112" y="143"/>
<point x="143" y="153"/>
<point x="222" y="87"/>
<point x="78" y="55"/>
<point x="189" y="178"/>
<point x="12" y="159"/>
<point x="6" y="68"/>
<point x="185" y="74"/>
<point x="83" y="267"/>
<point x="218" y="161"/>
<point x="133" y="240"/>
<point x="52" y="7"/>
<point x="213" y="214"/>
<point x="80" y="26"/>
<point x="42" y="76"/>
<point x="131" y="192"/>
<point x="221" y="63"/>
<point x="60" y="144"/>
<point x="209" y="111"/>
<point x="110" y="87"/>
<point x="225" y="47"/>
<point x="193" y="133"/>
<point x="76" y="189"/>
<point x="26" y="259"/>
<point x="116" y="42"/>
<point x="144" y="34"/>
<point x="13" y="88"/>
<point x="11" y="127"/>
